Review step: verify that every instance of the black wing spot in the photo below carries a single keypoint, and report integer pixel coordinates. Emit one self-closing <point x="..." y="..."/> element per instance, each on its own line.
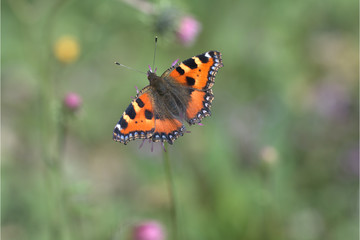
<point x="116" y="131"/>
<point x="140" y="103"/>
<point x="190" y="81"/>
<point x="180" y="70"/>
<point x="130" y="111"/>
<point x="190" y="63"/>
<point x="148" y="114"/>
<point x="123" y="123"/>
<point x="203" y="58"/>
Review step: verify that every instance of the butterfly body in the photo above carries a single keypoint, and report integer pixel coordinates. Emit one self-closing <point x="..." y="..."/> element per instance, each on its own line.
<point x="170" y="97"/>
<point x="182" y="93"/>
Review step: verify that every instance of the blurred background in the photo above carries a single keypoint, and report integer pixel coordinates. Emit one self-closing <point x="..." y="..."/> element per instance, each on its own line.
<point x="278" y="158"/>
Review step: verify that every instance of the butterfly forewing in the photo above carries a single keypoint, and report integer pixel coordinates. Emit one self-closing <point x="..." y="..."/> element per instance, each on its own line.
<point x="138" y="120"/>
<point x="197" y="72"/>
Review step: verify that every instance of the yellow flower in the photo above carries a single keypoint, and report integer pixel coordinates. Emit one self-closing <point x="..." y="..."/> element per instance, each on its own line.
<point x="66" y="49"/>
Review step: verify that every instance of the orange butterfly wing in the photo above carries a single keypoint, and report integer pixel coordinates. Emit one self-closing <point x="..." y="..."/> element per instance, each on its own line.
<point x="142" y="119"/>
<point x="168" y="129"/>
<point x="138" y="120"/>
<point x="199" y="106"/>
<point x="198" y="74"/>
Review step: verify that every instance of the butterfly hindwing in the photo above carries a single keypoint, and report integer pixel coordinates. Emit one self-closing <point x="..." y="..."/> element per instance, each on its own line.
<point x="197" y="72"/>
<point x="138" y="120"/>
<point x="168" y="129"/>
<point x="199" y="106"/>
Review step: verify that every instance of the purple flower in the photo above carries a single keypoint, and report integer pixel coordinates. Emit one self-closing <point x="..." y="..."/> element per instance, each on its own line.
<point x="332" y="100"/>
<point x="72" y="101"/>
<point x="150" y="230"/>
<point x="188" y="30"/>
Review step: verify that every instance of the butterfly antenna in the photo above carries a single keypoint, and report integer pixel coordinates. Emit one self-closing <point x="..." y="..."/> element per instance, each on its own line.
<point x="156" y="38"/>
<point x="122" y="65"/>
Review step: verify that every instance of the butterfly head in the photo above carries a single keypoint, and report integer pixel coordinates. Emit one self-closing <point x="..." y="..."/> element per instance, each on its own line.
<point x="156" y="82"/>
<point x="152" y="76"/>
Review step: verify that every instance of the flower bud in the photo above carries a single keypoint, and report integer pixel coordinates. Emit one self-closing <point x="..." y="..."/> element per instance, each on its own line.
<point x="150" y="230"/>
<point x="72" y="101"/>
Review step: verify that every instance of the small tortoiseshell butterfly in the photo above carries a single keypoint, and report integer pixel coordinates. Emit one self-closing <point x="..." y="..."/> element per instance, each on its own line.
<point x="183" y="92"/>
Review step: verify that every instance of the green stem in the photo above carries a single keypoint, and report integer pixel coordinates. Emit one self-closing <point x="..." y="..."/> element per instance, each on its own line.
<point x="59" y="225"/>
<point x="171" y="190"/>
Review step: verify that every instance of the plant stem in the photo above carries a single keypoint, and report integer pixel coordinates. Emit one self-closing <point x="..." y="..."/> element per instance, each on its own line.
<point x="171" y="190"/>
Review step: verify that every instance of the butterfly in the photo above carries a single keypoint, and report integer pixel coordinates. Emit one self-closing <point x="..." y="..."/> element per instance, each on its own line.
<point x="181" y="93"/>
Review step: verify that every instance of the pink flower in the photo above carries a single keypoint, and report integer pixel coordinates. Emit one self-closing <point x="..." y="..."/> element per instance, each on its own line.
<point x="188" y="30"/>
<point x="150" y="230"/>
<point x="72" y="101"/>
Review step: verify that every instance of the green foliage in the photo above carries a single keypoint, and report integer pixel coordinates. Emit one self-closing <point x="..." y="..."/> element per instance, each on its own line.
<point x="277" y="160"/>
